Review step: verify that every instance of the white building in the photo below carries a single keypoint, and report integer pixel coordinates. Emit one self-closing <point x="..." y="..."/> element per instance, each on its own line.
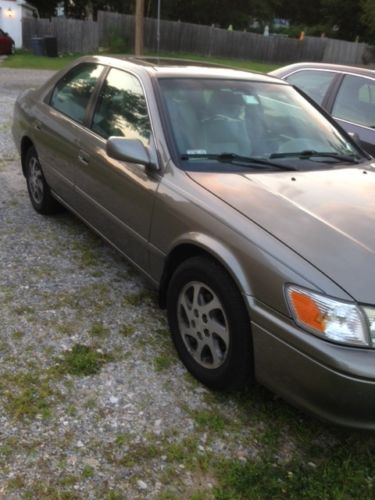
<point x="11" y="14"/>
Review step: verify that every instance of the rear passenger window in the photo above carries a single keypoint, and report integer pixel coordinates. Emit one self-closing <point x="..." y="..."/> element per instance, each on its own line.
<point x="314" y="83"/>
<point x="72" y="93"/>
<point x="121" y="109"/>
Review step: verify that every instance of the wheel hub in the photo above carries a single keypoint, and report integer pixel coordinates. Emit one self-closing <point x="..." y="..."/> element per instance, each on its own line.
<point x="203" y="324"/>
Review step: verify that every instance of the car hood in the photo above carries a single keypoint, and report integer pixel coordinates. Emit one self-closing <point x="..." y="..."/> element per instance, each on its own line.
<point x="327" y="217"/>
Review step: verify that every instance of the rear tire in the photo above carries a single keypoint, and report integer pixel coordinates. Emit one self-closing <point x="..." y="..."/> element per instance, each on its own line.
<point x="39" y="191"/>
<point x="209" y="324"/>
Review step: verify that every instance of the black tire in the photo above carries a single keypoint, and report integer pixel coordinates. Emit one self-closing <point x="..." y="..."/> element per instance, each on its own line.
<point x="39" y="191"/>
<point x="220" y="361"/>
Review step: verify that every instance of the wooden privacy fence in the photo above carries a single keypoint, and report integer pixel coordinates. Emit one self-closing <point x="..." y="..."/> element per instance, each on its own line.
<point x="88" y="36"/>
<point x="72" y="35"/>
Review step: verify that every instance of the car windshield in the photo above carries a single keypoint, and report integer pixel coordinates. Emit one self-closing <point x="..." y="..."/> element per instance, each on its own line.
<point x="222" y="120"/>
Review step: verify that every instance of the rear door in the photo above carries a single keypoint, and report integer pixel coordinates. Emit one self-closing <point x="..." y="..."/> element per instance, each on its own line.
<point x="58" y="124"/>
<point x="117" y="197"/>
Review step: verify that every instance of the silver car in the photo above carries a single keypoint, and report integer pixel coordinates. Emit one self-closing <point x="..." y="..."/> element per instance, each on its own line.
<point x="250" y="211"/>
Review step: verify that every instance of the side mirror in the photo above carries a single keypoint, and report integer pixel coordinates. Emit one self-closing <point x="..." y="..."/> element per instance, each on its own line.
<point x="129" y="150"/>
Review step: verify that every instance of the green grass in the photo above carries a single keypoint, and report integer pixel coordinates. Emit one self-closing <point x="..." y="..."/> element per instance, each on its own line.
<point x="26" y="60"/>
<point x="29" y="61"/>
<point x="82" y="360"/>
<point x="26" y="394"/>
<point x="338" y="475"/>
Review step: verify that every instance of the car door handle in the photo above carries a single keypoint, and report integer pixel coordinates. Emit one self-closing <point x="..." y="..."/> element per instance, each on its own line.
<point x="38" y="125"/>
<point x="83" y="157"/>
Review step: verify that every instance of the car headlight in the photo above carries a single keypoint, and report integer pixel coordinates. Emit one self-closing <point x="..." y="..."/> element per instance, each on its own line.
<point x="329" y="318"/>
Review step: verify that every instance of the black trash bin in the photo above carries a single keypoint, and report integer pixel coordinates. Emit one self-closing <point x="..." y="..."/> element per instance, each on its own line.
<point x="50" y="43"/>
<point x="38" y="47"/>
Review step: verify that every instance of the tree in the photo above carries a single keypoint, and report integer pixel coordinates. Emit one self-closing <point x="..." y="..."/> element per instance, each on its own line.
<point x="46" y="8"/>
<point x="345" y="14"/>
<point x="368" y="18"/>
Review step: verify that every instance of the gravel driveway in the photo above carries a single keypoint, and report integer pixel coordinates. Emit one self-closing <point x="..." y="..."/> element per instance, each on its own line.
<point x="93" y="401"/>
<point x="123" y="428"/>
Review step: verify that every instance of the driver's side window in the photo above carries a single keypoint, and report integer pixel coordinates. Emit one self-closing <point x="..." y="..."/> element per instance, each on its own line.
<point x="121" y="109"/>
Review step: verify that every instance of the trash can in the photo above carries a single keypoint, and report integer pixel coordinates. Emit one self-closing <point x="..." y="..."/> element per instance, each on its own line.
<point x="50" y="43"/>
<point x="38" y="47"/>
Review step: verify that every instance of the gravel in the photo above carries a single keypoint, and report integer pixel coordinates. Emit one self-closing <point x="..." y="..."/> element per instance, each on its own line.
<point x="138" y="426"/>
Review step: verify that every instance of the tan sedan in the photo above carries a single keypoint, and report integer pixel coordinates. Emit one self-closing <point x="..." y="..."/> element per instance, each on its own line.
<point x="250" y="210"/>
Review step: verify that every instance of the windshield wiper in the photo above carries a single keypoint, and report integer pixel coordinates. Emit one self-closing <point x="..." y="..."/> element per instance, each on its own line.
<point x="242" y="161"/>
<point x="306" y="155"/>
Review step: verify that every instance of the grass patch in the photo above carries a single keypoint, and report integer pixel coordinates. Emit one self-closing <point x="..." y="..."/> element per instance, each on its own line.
<point x="338" y="475"/>
<point x="18" y="335"/>
<point x="126" y="330"/>
<point x="27" y="395"/>
<point x="136" y="299"/>
<point x="21" y="310"/>
<point x="88" y="472"/>
<point x="98" y="330"/>
<point x="82" y="360"/>
<point x="163" y="362"/>
<point x="139" y="453"/>
<point x="29" y="61"/>
<point x="210" y="420"/>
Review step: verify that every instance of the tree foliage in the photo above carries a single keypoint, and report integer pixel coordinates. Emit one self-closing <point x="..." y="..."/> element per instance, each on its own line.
<point x="351" y="18"/>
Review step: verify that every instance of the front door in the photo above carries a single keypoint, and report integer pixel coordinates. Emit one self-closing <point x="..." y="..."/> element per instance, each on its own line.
<point x="117" y="197"/>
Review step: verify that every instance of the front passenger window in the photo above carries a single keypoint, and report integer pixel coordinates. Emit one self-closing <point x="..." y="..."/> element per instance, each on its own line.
<point x="313" y="82"/>
<point x="122" y="109"/>
<point x="72" y="93"/>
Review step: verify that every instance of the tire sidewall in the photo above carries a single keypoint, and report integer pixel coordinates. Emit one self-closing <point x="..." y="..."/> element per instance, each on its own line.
<point x="238" y="362"/>
<point x="29" y="155"/>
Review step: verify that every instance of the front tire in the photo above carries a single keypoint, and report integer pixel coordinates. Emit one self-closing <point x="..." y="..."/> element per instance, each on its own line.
<point x="209" y="324"/>
<point x="39" y="191"/>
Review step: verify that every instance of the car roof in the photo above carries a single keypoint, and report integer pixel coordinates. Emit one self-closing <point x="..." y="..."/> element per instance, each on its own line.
<point x="159" y="67"/>
<point x="341" y="68"/>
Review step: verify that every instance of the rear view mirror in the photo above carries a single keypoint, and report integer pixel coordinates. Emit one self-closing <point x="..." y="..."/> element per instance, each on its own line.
<point x="129" y="150"/>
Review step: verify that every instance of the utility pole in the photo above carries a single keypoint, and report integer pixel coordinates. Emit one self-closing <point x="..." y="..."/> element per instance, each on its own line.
<point x="139" y="13"/>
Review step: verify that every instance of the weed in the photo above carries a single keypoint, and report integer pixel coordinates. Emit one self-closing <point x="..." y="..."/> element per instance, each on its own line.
<point x="210" y="420"/>
<point x="18" y="335"/>
<point x="139" y="453"/>
<point x="82" y="360"/>
<point x="98" y="330"/>
<point x="163" y="362"/>
<point x="126" y="330"/>
<point x="136" y="299"/>
<point x="121" y="439"/>
<point x="21" y="310"/>
<point x="88" y="472"/>
<point x="26" y="394"/>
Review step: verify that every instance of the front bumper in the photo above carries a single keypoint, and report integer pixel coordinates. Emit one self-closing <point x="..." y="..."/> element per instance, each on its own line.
<point x="335" y="383"/>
